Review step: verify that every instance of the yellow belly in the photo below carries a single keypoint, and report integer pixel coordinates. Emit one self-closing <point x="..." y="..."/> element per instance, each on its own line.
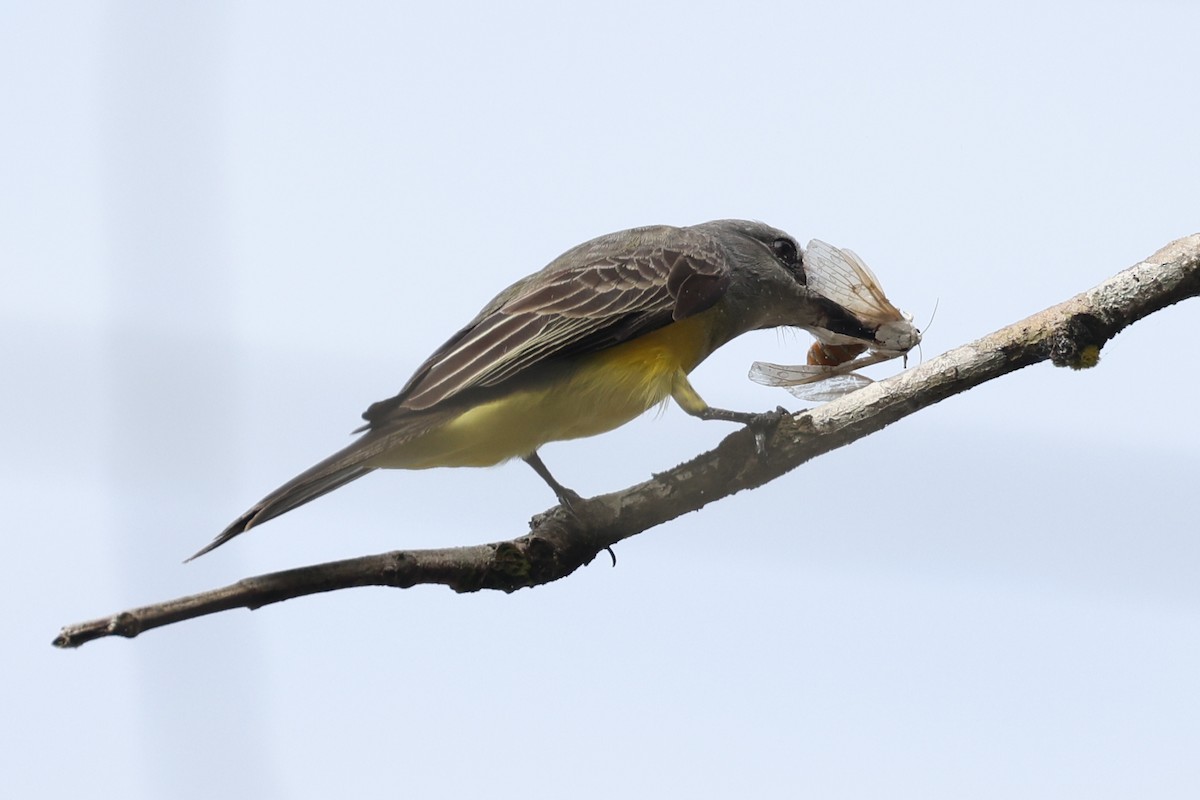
<point x="592" y="394"/>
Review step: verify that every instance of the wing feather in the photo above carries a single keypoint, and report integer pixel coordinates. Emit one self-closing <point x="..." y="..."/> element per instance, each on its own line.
<point x="602" y="293"/>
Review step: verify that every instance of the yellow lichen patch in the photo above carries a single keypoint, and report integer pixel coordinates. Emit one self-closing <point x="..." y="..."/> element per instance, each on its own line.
<point x="1088" y="357"/>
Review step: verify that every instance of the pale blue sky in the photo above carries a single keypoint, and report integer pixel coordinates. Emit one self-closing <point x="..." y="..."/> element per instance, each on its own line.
<point x="227" y="228"/>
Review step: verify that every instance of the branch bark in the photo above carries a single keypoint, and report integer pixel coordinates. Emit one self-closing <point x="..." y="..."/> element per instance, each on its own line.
<point x="1069" y="334"/>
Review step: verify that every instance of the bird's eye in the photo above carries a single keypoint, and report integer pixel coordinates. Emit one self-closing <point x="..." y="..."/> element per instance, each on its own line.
<point x="787" y="252"/>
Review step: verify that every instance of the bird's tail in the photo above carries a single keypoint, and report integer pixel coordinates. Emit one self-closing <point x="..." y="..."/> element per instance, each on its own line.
<point x="337" y="470"/>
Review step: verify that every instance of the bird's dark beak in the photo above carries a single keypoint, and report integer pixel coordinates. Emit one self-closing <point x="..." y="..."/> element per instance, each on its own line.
<point x="836" y="319"/>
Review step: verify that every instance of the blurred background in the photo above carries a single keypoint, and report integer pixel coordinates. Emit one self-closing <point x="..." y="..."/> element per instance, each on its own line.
<point x="227" y="228"/>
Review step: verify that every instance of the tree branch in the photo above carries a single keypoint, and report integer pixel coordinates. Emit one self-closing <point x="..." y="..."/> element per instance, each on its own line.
<point x="1069" y="334"/>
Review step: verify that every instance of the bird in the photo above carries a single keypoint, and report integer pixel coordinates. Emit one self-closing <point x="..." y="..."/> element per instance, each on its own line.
<point x="606" y="331"/>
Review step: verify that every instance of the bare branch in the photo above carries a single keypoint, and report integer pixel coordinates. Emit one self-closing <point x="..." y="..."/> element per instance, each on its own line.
<point x="1069" y="334"/>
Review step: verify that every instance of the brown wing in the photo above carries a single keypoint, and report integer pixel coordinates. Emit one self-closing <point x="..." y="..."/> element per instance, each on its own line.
<point x="601" y="293"/>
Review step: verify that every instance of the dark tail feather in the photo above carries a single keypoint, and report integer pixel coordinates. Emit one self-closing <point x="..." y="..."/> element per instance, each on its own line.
<point x="337" y="470"/>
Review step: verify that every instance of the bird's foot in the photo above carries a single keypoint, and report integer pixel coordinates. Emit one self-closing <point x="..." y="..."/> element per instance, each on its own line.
<point x="570" y="499"/>
<point x="763" y="424"/>
<point x="760" y="423"/>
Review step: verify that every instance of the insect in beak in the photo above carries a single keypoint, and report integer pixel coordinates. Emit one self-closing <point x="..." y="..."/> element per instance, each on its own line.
<point x="841" y="276"/>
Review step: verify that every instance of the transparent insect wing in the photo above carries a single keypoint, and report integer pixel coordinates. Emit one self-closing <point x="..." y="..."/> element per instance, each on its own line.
<point x="871" y="285"/>
<point x="843" y="277"/>
<point x="831" y="388"/>
<point x="769" y="374"/>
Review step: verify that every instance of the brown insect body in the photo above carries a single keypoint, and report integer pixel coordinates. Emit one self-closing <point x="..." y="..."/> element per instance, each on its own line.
<point x="831" y="355"/>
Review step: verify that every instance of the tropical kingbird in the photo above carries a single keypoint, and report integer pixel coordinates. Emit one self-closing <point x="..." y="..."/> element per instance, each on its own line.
<point x="606" y="331"/>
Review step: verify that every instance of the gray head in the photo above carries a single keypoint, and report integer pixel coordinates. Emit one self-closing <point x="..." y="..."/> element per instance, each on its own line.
<point x="769" y="287"/>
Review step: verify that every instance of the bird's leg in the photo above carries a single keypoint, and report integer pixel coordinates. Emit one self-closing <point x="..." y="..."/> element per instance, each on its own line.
<point x="759" y="422"/>
<point x="569" y="498"/>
